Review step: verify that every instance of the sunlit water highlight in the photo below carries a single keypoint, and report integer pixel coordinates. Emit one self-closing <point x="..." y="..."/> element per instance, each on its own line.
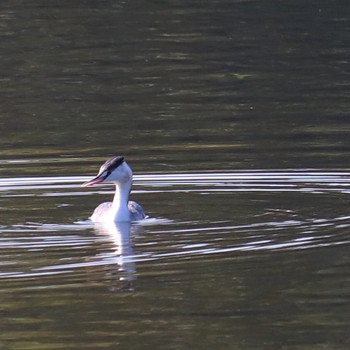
<point x="66" y="248"/>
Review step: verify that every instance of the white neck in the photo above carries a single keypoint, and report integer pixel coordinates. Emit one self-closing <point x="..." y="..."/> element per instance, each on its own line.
<point x="120" y="211"/>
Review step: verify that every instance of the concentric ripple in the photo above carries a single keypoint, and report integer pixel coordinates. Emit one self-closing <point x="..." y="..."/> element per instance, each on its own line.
<point x="35" y="250"/>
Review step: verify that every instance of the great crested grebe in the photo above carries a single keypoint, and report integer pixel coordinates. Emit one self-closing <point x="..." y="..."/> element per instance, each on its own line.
<point x="115" y="170"/>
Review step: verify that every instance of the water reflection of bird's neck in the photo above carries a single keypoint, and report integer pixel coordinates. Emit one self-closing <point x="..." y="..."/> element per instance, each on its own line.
<point x="119" y="233"/>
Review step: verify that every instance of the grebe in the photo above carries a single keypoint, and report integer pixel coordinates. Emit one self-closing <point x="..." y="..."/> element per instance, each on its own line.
<point x="117" y="171"/>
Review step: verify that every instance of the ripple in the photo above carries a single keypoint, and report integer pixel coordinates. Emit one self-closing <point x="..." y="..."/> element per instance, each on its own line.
<point x="34" y="250"/>
<point x="308" y="181"/>
<point x="172" y="242"/>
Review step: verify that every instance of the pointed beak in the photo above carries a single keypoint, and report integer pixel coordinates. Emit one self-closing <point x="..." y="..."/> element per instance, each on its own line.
<point x="96" y="180"/>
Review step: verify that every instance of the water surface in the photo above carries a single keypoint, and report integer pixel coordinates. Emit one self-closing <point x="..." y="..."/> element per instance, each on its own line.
<point x="234" y="118"/>
<point x="233" y="247"/>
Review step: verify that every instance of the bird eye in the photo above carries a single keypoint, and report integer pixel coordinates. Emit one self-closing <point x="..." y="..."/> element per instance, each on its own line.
<point x="104" y="174"/>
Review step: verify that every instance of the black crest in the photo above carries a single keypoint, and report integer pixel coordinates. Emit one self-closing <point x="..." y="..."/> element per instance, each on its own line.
<point x="112" y="163"/>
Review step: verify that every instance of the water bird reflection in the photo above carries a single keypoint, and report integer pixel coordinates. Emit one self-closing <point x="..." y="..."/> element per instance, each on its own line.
<point x="119" y="264"/>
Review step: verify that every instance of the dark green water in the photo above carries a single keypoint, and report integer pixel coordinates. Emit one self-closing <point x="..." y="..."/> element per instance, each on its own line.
<point x="234" y="116"/>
